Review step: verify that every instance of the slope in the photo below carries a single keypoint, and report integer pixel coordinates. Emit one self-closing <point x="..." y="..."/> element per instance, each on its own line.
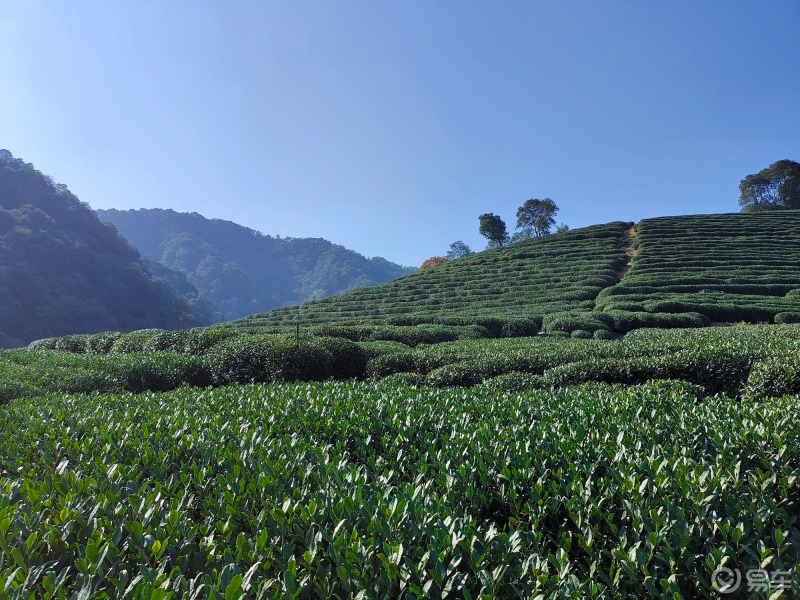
<point x="243" y="271"/>
<point x="525" y="280"/>
<point x="62" y="271"/>
<point x="727" y="267"/>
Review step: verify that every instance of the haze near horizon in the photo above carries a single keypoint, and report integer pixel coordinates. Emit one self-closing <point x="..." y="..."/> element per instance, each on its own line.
<point x="390" y="127"/>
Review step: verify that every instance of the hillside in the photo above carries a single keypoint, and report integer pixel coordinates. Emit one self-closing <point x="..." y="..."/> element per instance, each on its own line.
<point x="63" y="271"/>
<point x="667" y="272"/>
<point x="525" y="280"/>
<point x="242" y="271"/>
<point x="729" y="267"/>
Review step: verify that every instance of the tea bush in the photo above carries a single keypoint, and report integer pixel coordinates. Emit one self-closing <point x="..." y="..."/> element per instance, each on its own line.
<point x="242" y="359"/>
<point x="341" y="490"/>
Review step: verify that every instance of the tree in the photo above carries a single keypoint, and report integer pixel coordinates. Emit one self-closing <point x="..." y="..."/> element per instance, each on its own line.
<point x="535" y="218"/>
<point x="432" y="262"/>
<point x="562" y="228"/>
<point x="493" y="228"/>
<point x="776" y="187"/>
<point x="458" y="250"/>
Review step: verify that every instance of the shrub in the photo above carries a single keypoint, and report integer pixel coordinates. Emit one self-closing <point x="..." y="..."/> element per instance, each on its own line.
<point x="373" y="349"/>
<point x="388" y="364"/>
<point x="603" y="334"/>
<point x="13" y="388"/>
<point x="78" y="344"/>
<point x="787" y="317"/>
<point x="159" y="372"/>
<point x="626" y="306"/>
<point x="200" y="341"/>
<point x="514" y="382"/>
<point x="520" y="328"/>
<point x="43" y="344"/>
<point x="348" y="359"/>
<point x="165" y="341"/>
<point x="135" y="341"/>
<point x="623" y="321"/>
<point x="102" y="343"/>
<point x="243" y="359"/>
<point x="494" y="325"/>
<point x="413" y="336"/>
<point x="569" y="322"/>
<point x="355" y="333"/>
<point x="582" y="334"/>
<point x="774" y="376"/>
<point x="409" y="379"/>
<point x="458" y="374"/>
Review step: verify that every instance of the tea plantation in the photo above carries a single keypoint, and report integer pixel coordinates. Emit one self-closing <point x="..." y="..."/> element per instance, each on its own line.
<point x="524" y="280"/>
<point x="727" y="267"/>
<point x="338" y="490"/>
<point x="669" y="272"/>
<point x="554" y="419"/>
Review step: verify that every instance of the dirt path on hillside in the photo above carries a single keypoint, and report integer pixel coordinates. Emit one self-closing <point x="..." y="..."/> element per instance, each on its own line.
<point x="630" y="237"/>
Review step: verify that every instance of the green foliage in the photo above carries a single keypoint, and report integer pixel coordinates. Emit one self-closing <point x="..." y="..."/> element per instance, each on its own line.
<point x="514" y="382"/>
<point x="458" y="374"/>
<point x="336" y="490"/>
<point x="603" y="334"/>
<point x="404" y="379"/>
<point x="259" y="358"/>
<point x="506" y="291"/>
<point x="102" y="343"/>
<point x="162" y="371"/>
<point x="348" y="359"/>
<point x="493" y="228"/>
<point x="728" y="268"/>
<point x="776" y="187"/>
<point x="535" y="218"/>
<point x="241" y="271"/>
<point x="787" y="317"/>
<point x="137" y="341"/>
<point x="569" y="322"/>
<point x="65" y="272"/>
<point x="458" y="250"/>
<point x="719" y="359"/>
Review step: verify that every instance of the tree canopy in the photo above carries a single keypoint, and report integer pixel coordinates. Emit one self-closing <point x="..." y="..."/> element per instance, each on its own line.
<point x="493" y="228"/>
<point x="776" y="187"/>
<point x="457" y="250"/>
<point x="62" y="271"/>
<point x="432" y="262"/>
<point x="535" y="218"/>
<point x="242" y="271"/>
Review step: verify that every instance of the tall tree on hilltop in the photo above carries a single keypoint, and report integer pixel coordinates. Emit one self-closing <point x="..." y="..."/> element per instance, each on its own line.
<point x="535" y="218"/>
<point x="493" y="228"/>
<point x="776" y="187"/>
<point x="458" y="250"/>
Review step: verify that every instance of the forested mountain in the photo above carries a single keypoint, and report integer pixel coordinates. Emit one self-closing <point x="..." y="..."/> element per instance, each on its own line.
<point x="243" y="271"/>
<point x="63" y="271"/>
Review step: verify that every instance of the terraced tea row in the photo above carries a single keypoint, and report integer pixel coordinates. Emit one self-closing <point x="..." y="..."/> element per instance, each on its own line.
<point x="737" y="267"/>
<point x="524" y="280"/>
<point x="753" y="362"/>
<point x="338" y="489"/>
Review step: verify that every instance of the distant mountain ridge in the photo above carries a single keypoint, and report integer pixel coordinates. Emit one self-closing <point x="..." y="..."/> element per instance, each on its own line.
<point x="62" y="271"/>
<point x="242" y="271"/>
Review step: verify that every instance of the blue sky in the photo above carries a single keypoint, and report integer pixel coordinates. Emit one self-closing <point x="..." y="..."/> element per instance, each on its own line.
<point x="389" y="127"/>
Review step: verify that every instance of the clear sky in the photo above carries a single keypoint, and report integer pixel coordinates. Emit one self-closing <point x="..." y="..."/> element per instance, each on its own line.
<point x="390" y="126"/>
